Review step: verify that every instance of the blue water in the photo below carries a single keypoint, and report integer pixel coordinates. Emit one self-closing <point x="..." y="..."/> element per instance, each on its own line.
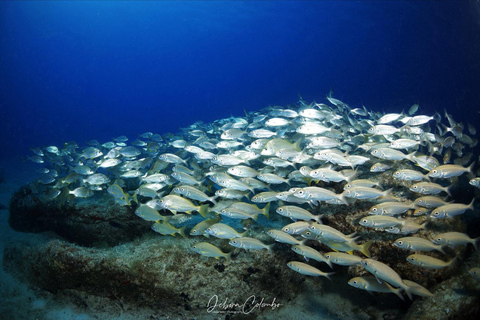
<point x="97" y="70"/>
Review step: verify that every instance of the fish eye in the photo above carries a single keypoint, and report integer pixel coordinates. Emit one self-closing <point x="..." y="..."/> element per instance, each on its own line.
<point x="436" y="213"/>
<point x="286" y="229"/>
<point x="374" y="209"/>
<point x="400" y="242"/>
<point x="193" y="231"/>
<point x="434" y="171"/>
<point x="439" y="239"/>
<point x="280" y="209"/>
<point x="364" y="220"/>
<point x="194" y="247"/>
<point x="355" y="281"/>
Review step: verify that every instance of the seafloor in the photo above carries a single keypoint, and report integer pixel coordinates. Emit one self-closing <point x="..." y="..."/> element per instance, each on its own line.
<point x="110" y="265"/>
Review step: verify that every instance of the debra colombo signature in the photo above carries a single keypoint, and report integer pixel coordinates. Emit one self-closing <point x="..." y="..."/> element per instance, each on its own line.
<point x="246" y="307"/>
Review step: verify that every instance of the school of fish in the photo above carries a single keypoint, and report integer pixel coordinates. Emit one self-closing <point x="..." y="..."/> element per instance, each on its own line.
<point x="239" y="171"/>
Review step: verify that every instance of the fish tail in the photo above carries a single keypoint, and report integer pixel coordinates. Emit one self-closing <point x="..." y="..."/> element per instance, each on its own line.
<point x="407" y="291"/>
<point x="437" y="117"/>
<point x="475" y="243"/>
<point x="470" y="170"/>
<point x="269" y="248"/>
<point x="470" y="206"/>
<point x="327" y="275"/>
<point x="181" y="231"/>
<point x="266" y="211"/>
<point x="228" y="257"/>
<point x="365" y="248"/>
<point x="448" y="190"/>
<point x="203" y="210"/>
<point x="329" y="263"/>
<point x="127" y="199"/>
<point x="398" y="293"/>
<point x="440" y="248"/>
<point x="135" y="198"/>
<point x="452" y="261"/>
<point x="212" y="199"/>
<point x="342" y="198"/>
<point x="411" y="156"/>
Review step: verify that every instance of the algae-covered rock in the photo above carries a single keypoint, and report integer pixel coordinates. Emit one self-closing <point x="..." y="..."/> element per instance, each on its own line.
<point x="95" y="221"/>
<point x="157" y="272"/>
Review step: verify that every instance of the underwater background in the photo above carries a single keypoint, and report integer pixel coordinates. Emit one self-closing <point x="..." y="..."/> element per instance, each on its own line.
<point x="99" y="69"/>
<point x="83" y="70"/>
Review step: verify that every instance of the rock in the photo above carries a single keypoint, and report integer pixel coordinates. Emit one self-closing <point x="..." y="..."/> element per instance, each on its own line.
<point x="157" y="272"/>
<point x="95" y="221"/>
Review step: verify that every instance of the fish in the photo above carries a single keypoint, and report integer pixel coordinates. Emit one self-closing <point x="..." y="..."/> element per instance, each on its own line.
<point x="194" y="194"/>
<point x="413" y="109"/>
<point x="310" y="253"/>
<point x="408" y="227"/>
<point x="176" y="204"/>
<point x="249" y="244"/>
<point x="82" y="192"/>
<point x="428" y="262"/>
<point x="283" y="237"/>
<point x="365" y="193"/>
<point x="380" y="221"/>
<point x="417" y="289"/>
<point x="343" y="259"/>
<point x="209" y="250"/>
<point x="166" y="228"/>
<point x="453" y="239"/>
<point x="371" y="284"/>
<point x="296" y="213"/>
<point x="308" y="270"/>
<point x="200" y="228"/>
<point x="296" y="227"/>
<point x="450" y="170"/>
<point x="450" y="210"/>
<point x="384" y="272"/>
<point x="427" y="188"/>
<point x="223" y="231"/>
<point x="409" y="175"/>
<point x="149" y="214"/>
<point x="391" y="208"/>
<point x="430" y="202"/>
<point x="417" y="244"/>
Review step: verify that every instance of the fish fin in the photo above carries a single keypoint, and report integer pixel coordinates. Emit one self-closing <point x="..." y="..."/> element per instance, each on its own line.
<point x="135" y="198"/>
<point x="470" y="206"/>
<point x="407" y="290"/>
<point x="228" y="257"/>
<point x="397" y="291"/>
<point x="471" y="173"/>
<point x="475" y="243"/>
<point x="181" y="231"/>
<point x="269" y="248"/>
<point x="203" y="210"/>
<point x="266" y="210"/>
<point x="379" y="280"/>
<point x="306" y="259"/>
<point x="365" y="248"/>
<point x="329" y="274"/>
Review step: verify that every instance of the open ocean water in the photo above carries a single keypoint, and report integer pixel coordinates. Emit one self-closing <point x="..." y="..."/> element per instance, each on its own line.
<point x="77" y="71"/>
